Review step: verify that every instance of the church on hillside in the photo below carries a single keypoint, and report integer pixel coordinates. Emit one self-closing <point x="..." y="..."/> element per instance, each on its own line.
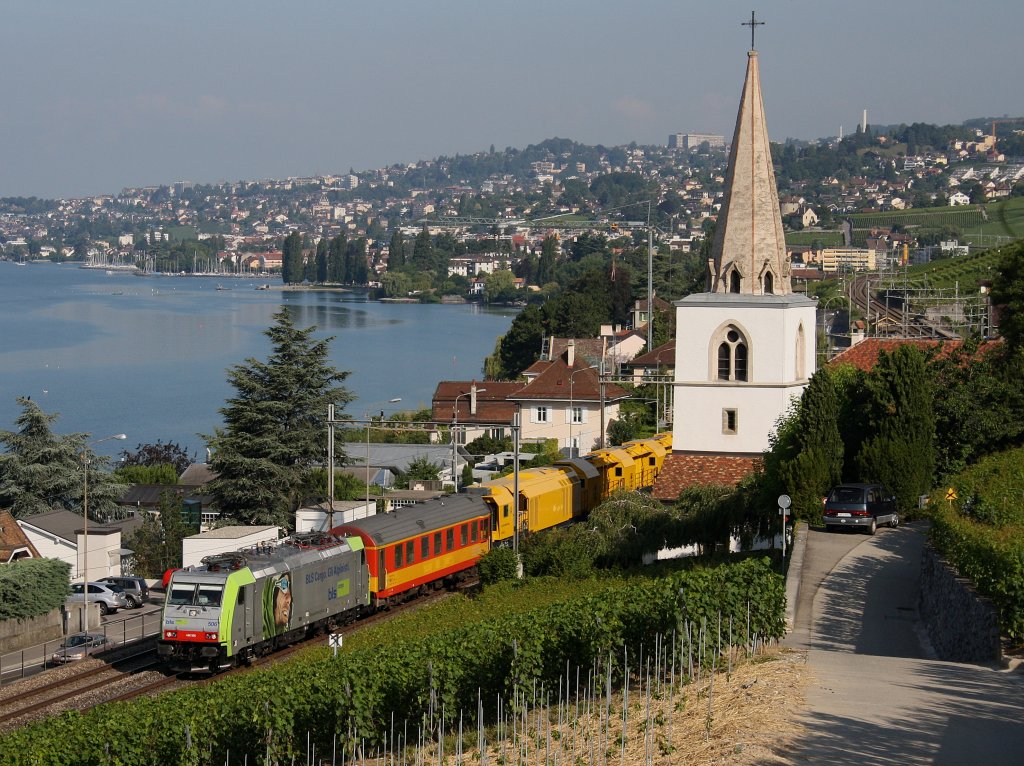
<point x="745" y="348"/>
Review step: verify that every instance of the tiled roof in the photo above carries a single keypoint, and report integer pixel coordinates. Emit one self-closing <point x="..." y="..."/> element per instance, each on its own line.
<point x="492" y="404"/>
<point x="12" y="539"/>
<point x="197" y="475"/>
<point x="662" y="356"/>
<point x="552" y="382"/>
<point x="864" y="355"/>
<point x="63" y="524"/>
<point x="682" y="471"/>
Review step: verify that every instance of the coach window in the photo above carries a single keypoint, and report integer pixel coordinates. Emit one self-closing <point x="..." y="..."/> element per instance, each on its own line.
<point x="618" y="470"/>
<point x="504" y="510"/>
<point x="449" y="539"/>
<point x="463" y="534"/>
<point x="424" y="547"/>
<point x="473" y="530"/>
<point x="483" y="527"/>
<point x="437" y="543"/>
<point x="410" y="552"/>
<point x="398" y="555"/>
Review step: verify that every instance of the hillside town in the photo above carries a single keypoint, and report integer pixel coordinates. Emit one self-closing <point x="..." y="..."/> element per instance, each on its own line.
<point x="500" y="205"/>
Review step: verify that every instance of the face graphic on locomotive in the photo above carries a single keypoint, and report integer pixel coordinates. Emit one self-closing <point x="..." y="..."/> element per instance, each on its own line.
<point x="277" y="605"/>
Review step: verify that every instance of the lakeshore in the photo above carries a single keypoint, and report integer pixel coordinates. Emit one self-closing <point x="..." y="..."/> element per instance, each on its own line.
<point x="115" y="353"/>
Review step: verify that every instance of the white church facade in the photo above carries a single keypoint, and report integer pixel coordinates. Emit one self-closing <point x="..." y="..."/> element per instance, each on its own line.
<point x="745" y="348"/>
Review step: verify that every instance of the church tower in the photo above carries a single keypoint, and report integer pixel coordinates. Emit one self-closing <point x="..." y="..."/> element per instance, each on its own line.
<point x="745" y="349"/>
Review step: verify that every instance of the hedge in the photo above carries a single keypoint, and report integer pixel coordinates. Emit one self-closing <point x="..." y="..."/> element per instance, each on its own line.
<point x="31" y="587"/>
<point x="449" y="659"/>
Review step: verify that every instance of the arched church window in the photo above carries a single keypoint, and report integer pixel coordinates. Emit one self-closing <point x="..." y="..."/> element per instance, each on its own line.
<point x="734" y="281"/>
<point x="724" y="361"/>
<point x="769" y="283"/>
<point x="732" y="356"/>
<point x="740" y="361"/>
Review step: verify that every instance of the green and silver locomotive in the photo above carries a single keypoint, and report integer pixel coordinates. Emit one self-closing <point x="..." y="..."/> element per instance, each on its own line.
<point x="239" y="605"/>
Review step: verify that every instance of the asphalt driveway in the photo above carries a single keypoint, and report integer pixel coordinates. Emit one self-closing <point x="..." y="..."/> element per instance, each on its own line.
<point x="877" y="695"/>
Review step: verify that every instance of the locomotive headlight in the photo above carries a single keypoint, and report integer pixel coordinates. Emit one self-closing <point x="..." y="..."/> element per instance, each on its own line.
<point x="211" y="636"/>
<point x="170" y="634"/>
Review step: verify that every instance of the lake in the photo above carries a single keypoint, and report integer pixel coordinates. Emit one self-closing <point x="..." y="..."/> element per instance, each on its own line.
<point x="112" y="352"/>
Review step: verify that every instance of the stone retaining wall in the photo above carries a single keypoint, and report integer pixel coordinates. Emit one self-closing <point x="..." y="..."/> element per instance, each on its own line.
<point x="20" y="634"/>
<point x="963" y="625"/>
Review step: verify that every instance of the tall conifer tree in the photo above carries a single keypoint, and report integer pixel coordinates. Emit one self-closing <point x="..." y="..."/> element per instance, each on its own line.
<point x="274" y="432"/>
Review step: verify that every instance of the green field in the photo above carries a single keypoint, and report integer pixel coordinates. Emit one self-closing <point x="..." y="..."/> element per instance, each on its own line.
<point x="1005" y="219"/>
<point x="960" y="217"/>
<point x="825" y="238"/>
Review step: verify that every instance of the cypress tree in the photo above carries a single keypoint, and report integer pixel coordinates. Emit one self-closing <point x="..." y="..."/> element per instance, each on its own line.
<point x="818" y="462"/>
<point x="291" y="259"/>
<point x="321" y="260"/>
<point x="899" y="450"/>
<point x="336" y="260"/>
<point x="396" y="250"/>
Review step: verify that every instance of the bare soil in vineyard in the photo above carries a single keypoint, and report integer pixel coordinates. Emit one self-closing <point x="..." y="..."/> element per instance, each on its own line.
<point x="744" y="718"/>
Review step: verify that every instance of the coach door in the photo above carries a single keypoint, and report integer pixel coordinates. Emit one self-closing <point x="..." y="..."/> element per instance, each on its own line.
<point x="381" y="579"/>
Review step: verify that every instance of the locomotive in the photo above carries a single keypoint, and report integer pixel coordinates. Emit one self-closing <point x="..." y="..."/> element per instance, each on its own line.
<point x="240" y="605"/>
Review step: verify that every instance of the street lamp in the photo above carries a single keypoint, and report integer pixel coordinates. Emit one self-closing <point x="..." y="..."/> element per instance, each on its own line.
<point x="473" y="391"/>
<point x="368" y="421"/>
<point x="572" y="408"/>
<point x="85" y="520"/>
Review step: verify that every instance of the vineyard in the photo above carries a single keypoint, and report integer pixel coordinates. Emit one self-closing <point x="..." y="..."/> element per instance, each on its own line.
<point x="468" y="661"/>
<point x="953" y="217"/>
<point x="963" y="274"/>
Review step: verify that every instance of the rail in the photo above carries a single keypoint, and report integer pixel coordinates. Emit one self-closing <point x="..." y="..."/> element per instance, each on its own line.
<point x="33" y="659"/>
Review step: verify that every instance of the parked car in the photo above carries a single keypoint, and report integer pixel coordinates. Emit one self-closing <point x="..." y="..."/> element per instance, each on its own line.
<point x="109" y="597"/>
<point x="136" y="589"/>
<point x="860" y="505"/>
<point x="78" y="646"/>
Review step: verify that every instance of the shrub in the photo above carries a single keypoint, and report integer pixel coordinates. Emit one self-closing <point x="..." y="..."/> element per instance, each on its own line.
<point x="32" y="587"/>
<point x="498" y="565"/>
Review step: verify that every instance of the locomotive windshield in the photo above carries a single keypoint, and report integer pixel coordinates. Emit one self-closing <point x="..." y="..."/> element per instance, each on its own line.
<point x="195" y="594"/>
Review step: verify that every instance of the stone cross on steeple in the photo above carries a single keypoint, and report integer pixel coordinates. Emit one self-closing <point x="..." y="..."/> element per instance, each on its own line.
<point x="749" y="249"/>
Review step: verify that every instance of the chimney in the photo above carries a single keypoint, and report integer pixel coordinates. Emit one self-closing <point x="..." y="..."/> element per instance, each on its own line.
<point x="472" y="399"/>
<point x="570" y="353"/>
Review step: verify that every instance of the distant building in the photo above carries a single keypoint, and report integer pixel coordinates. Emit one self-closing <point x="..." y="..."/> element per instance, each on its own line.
<point x="837" y="259"/>
<point x="694" y="140"/>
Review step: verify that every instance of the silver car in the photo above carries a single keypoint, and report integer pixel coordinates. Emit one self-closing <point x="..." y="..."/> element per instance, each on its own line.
<point x="109" y="597"/>
<point x="78" y="646"/>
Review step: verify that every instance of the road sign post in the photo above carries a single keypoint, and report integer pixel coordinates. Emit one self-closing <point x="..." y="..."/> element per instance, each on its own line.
<point x="335" y="640"/>
<point x="784" y="503"/>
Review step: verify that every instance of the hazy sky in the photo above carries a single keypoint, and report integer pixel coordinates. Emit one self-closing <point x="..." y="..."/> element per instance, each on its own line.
<point x="104" y="94"/>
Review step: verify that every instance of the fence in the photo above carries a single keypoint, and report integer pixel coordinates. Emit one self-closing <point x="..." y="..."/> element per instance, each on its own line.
<point x="17" y="665"/>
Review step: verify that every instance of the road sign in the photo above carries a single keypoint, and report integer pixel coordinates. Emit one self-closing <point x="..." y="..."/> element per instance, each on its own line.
<point x="951" y="494"/>
<point x="785" y="501"/>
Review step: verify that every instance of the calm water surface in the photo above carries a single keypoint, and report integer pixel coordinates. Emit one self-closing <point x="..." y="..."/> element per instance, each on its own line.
<point x="113" y="352"/>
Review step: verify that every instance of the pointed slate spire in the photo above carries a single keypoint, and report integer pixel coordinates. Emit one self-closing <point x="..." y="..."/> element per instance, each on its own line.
<point x="749" y="250"/>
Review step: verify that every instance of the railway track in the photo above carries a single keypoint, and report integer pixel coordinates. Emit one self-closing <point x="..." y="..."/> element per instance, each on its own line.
<point x="29" y="700"/>
<point x="138" y="676"/>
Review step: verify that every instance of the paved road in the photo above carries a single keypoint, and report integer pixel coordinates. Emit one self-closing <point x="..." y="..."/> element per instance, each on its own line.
<point x="877" y="695"/>
<point x="125" y="626"/>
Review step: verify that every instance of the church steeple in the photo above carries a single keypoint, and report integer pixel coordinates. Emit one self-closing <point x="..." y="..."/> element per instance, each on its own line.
<point x="749" y="250"/>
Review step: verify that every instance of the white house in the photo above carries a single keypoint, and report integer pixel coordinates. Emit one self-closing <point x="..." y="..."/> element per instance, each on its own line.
<point x="958" y="198"/>
<point x="62" y="535"/>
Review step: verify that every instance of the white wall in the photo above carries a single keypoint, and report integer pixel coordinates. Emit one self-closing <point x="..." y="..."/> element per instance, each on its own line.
<point x="195" y="547"/>
<point x="771" y="324"/>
